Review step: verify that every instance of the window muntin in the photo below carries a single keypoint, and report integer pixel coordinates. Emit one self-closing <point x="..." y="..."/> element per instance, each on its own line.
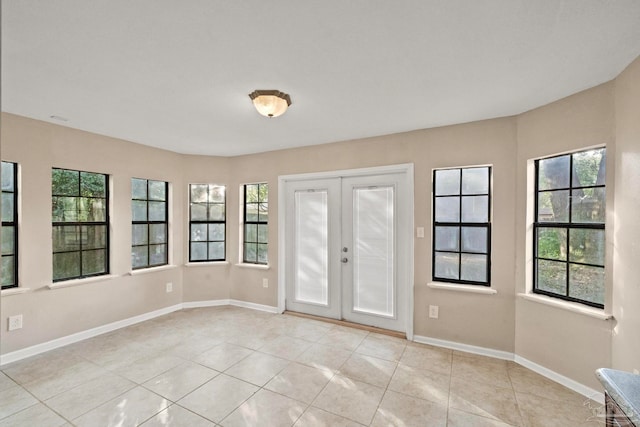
<point x="569" y="227"/>
<point x="207" y="222"/>
<point x="256" y="218"/>
<point x="150" y="231"/>
<point x="462" y="225"/>
<point x="80" y="218"/>
<point x="9" y="225"/>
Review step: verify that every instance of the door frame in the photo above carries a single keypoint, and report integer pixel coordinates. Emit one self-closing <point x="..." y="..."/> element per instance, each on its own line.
<point x="407" y="170"/>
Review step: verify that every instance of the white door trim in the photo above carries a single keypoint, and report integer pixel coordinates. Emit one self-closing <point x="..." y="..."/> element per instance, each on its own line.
<point x="407" y="170"/>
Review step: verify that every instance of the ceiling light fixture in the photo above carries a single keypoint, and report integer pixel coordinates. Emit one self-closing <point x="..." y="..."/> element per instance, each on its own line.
<point x="270" y="103"/>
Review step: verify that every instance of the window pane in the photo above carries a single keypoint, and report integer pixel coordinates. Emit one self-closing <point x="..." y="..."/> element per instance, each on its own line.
<point x="92" y="210"/>
<point x="588" y="205"/>
<point x="139" y="210"/>
<point x="157" y="254"/>
<point x="8" y="272"/>
<point x="251" y="193"/>
<point x="7" y="207"/>
<point x="252" y="212"/>
<point x="8" y="240"/>
<point x="66" y="238"/>
<point x="157" y="233"/>
<point x="474" y="239"/>
<point x="216" y="212"/>
<point x="552" y="276"/>
<point x="447" y="182"/>
<point x="475" y="181"/>
<point x="157" y="211"/>
<point x="250" y="252"/>
<point x="263" y="233"/>
<point x="94" y="237"/>
<point x="139" y="256"/>
<point x="552" y="243"/>
<point x="65" y="182"/>
<point x="198" y="232"/>
<point x="586" y="283"/>
<point x="138" y="188"/>
<point x="140" y="234"/>
<point x="7" y="176"/>
<point x="157" y="190"/>
<point x="589" y="168"/>
<point x="553" y="173"/>
<point x="93" y="184"/>
<point x="263" y="212"/>
<point x="250" y="233"/>
<point x="473" y="267"/>
<point x="199" y="193"/>
<point x="447" y="238"/>
<point x="586" y="246"/>
<point x="475" y="209"/>
<point x="198" y="211"/>
<point x="93" y="262"/>
<point x="216" y="232"/>
<point x="262" y="254"/>
<point x="446" y="265"/>
<point x="64" y="209"/>
<point x="447" y="209"/>
<point x="66" y="265"/>
<point x="263" y="193"/>
<point x="553" y="206"/>
<point x="198" y="251"/>
<point x="216" y="194"/>
<point x="216" y="250"/>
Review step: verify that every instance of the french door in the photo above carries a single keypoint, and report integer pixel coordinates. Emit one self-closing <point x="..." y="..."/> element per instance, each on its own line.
<point x="346" y="248"/>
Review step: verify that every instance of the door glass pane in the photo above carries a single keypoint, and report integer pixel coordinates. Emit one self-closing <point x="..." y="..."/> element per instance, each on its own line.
<point x="373" y="250"/>
<point x="311" y="265"/>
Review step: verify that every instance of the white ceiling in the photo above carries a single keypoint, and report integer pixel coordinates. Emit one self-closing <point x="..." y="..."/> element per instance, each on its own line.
<point x="176" y="74"/>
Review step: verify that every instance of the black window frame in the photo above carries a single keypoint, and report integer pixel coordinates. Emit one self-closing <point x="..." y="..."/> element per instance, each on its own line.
<point x="13" y="224"/>
<point x="81" y="224"/>
<point x="265" y="223"/>
<point x="148" y="223"/>
<point x="567" y="226"/>
<point x="460" y="225"/>
<point x="208" y="222"/>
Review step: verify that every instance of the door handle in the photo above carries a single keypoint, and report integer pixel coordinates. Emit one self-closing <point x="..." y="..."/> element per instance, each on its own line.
<point x="344" y="260"/>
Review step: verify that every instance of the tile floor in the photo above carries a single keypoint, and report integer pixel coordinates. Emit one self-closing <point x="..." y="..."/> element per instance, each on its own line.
<point x="230" y="366"/>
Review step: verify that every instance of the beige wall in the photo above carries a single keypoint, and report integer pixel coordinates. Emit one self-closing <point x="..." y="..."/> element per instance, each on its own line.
<point x="626" y="263"/>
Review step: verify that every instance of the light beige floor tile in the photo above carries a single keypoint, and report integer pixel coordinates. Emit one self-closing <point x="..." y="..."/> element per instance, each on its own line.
<point x="286" y="347"/>
<point x="193" y="346"/>
<point x="37" y="415"/>
<point x="382" y="347"/>
<point x="41" y="366"/>
<point x="351" y="399"/>
<point x="119" y="357"/>
<point x="542" y="412"/>
<point x="457" y="418"/>
<point x="527" y="381"/>
<point x="265" y="409"/>
<point x="180" y="381"/>
<point x="300" y="382"/>
<point x="252" y="339"/>
<point x="370" y="370"/>
<point x="421" y="383"/>
<point x="484" y="400"/>
<point x="6" y="382"/>
<point x="218" y="398"/>
<point x="65" y="379"/>
<point x="149" y="367"/>
<point x="128" y="409"/>
<point x="177" y="416"/>
<point x="427" y="357"/>
<point x="223" y="356"/>
<point x="258" y="368"/>
<point x="481" y="369"/>
<point x="323" y="356"/>
<point x="342" y="337"/>
<point x="14" y="399"/>
<point x="401" y="410"/>
<point x="89" y="395"/>
<point x="314" y="417"/>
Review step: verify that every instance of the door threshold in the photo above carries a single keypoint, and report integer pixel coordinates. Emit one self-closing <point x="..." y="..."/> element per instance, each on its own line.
<point x="367" y="328"/>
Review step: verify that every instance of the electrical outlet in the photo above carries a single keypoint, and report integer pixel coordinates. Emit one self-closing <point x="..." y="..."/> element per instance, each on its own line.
<point x="265" y="282"/>
<point x="169" y="287"/>
<point x="433" y="311"/>
<point x="15" y="322"/>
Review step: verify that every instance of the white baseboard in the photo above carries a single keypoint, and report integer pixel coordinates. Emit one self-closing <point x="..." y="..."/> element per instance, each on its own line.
<point x="254" y="306"/>
<point x="584" y="390"/>
<point x="209" y="303"/>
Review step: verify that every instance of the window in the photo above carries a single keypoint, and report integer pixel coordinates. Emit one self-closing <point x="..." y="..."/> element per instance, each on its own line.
<point x="80" y="217"/>
<point x="149" y="212"/>
<point x="461" y="225"/>
<point x="9" y="225"/>
<point x="207" y="215"/>
<point x="256" y="217"/>
<point x="569" y="239"/>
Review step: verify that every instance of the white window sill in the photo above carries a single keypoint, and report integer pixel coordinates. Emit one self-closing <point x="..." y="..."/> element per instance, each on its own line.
<point x="14" y="291"/>
<point x="79" y="282"/>
<point x="206" y="264"/>
<point x="151" y="269"/>
<point x="254" y="266"/>
<point x="567" y="305"/>
<point x="474" y="289"/>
